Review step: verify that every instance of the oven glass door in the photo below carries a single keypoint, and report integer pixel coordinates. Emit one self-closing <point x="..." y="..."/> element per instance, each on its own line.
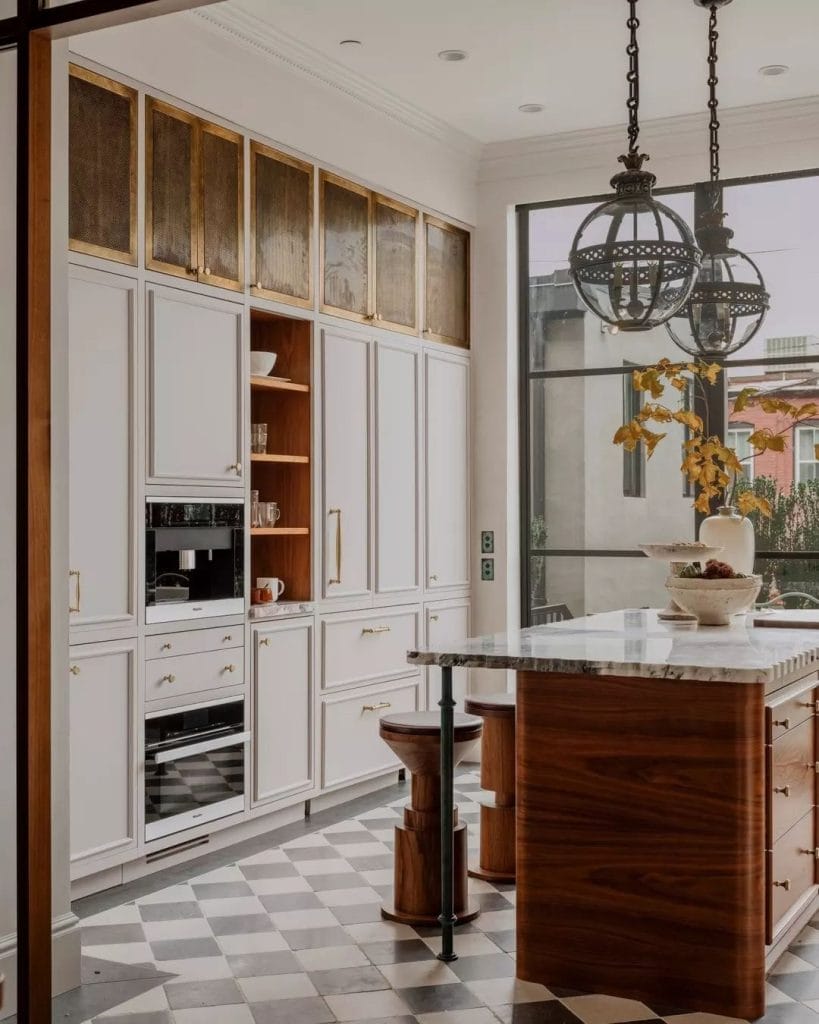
<point x="194" y="766"/>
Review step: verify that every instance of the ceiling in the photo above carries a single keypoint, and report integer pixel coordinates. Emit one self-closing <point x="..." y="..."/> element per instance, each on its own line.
<point x="566" y="54"/>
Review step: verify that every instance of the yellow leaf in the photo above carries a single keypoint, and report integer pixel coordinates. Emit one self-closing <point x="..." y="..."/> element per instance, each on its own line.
<point x="774" y="405"/>
<point x="656" y="412"/>
<point x="808" y="411"/>
<point x="680" y="383"/>
<point x="651" y="440"/>
<point x="702" y="504"/>
<point x="776" y="443"/>
<point x="743" y="399"/>
<point x="749" y="502"/>
<point x="690" y="419"/>
<point x="710" y="372"/>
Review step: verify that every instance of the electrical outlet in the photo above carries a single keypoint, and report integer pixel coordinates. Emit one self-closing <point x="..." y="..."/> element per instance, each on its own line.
<point x="487" y="542"/>
<point x="488" y="569"/>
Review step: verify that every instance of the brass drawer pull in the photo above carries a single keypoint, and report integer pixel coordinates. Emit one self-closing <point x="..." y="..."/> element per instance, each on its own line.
<point x="264" y="642"/>
<point x="229" y="668"/>
<point x="170" y="678"/>
<point x="813" y="766"/>
<point x="236" y="467"/>
<point x="377" y="707"/>
<point x="812" y="853"/>
<point x="226" y="639"/>
<point x="433" y="618"/>
<point x="433" y="577"/>
<point x="74" y="670"/>
<point x="166" y="647"/>
<point x="783" y="790"/>
<point x="373" y="630"/>
<point x="812" y="704"/>
<point x="786" y="885"/>
<point x="337" y="577"/>
<point x="72" y="608"/>
<point x="785" y="723"/>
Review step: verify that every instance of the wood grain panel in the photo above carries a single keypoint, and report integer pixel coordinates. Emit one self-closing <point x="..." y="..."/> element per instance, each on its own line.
<point x="640" y="839"/>
<point x="345" y="247"/>
<point x="281" y="217"/>
<point x="102" y="135"/>
<point x="395" y="243"/>
<point x="447" y="282"/>
<point x="171" y="189"/>
<point x="221" y="235"/>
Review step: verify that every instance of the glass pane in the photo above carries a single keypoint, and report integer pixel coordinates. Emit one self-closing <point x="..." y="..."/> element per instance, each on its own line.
<point x="596" y="584"/>
<point x="790" y="583"/>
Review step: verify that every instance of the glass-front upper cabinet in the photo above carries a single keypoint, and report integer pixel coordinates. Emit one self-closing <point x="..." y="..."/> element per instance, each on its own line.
<point x="194" y="197"/>
<point x="395" y="231"/>
<point x="281" y="225"/>
<point x="102" y="146"/>
<point x="447" y="282"/>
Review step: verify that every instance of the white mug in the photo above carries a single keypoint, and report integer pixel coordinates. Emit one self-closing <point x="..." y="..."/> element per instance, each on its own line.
<point x="274" y="583"/>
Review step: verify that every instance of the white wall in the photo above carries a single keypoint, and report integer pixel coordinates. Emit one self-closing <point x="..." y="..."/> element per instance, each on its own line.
<point x="768" y="139"/>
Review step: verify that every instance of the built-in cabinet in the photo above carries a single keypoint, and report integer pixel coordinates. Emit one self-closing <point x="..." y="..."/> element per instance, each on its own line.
<point x="102" y="742"/>
<point x="447" y="282"/>
<point x="195" y="389"/>
<point x="102" y="343"/>
<point x="446" y="622"/>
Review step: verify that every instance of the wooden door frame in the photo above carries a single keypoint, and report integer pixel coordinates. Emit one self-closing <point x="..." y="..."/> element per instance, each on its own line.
<point x="30" y="32"/>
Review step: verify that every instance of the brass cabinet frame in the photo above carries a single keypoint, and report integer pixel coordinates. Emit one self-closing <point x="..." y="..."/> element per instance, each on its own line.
<point x="325" y="178"/>
<point x="260" y="148"/>
<point x="208" y="127"/>
<point x="430" y="221"/>
<point x="409" y="211"/>
<point x="103" y="251"/>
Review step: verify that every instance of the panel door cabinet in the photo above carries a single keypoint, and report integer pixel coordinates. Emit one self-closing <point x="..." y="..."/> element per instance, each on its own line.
<point x="102" y="146"/>
<point x="195" y="389"/>
<point x="447" y="282"/>
<point x="346" y="465"/>
<point x="281" y="219"/>
<point x="102" y="763"/>
<point x="447" y="476"/>
<point x="447" y="622"/>
<point x="395" y="244"/>
<point x="194" y="211"/>
<point x="102" y="451"/>
<point x="282" y="710"/>
<point x="396" y="520"/>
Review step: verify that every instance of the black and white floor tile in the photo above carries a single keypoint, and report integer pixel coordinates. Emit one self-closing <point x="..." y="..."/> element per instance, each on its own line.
<point x="293" y="935"/>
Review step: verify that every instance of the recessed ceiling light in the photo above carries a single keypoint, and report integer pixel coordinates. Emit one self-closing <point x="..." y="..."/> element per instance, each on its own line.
<point x="530" y="108"/>
<point x="350" y="42"/>
<point x="774" y="70"/>
<point x="452" y="55"/>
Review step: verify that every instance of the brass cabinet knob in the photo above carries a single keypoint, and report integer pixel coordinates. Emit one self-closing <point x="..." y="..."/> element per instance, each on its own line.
<point x="433" y="618"/>
<point x="170" y="678"/>
<point x="74" y="670"/>
<point x="812" y="704"/>
<point x="783" y="790"/>
<point x="377" y="707"/>
<point x="200" y="270"/>
<point x="784" y="723"/>
<point x="236" y="467"/>
<point x="786" y="885"/>
<point x="433" y="578"/>
<point x="166" y="646"/>
<point x="227" y="638"/>
<point x="259" y="285"/>
<point x="812" y="853"/>
<point x="207" y="271"/>
<point x="229" y="668"/>
<point x="813" y="766"/>
<point x="264" y="642"/>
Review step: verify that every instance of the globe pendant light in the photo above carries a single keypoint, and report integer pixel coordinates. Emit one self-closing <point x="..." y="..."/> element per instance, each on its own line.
<point x="729" y="301"/>
<point x="634" y="261"/>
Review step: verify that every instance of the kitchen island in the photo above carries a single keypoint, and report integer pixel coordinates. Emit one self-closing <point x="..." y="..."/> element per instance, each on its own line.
<point x="666" y="790"/>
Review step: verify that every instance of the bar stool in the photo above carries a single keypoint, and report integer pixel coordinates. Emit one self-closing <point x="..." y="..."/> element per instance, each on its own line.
<point x="415" y="738"/>
<point x="497" y="849"/>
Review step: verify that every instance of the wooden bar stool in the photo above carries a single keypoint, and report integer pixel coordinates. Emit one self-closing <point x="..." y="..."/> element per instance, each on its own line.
<point x="415" y="738"/>
<point x="497" y="849"/>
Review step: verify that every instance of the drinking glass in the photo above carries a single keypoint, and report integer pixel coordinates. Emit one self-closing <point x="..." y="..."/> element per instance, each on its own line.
<point x="255" y="510"/>
<point x="258" y="438"/>
<point x="272" y="513"/>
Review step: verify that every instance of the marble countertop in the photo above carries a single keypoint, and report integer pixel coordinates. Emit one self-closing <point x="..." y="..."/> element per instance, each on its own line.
<point x="634" y="642"/>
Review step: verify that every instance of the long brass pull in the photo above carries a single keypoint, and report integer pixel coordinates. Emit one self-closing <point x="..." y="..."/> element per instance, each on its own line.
<point x="786" y="885"/>
<point x="72" y="608"/>
<point x="377" y="707"/>
<point x="372" y="630"/>
<point x="783" y="790"/>
<point x="337" y="577"/>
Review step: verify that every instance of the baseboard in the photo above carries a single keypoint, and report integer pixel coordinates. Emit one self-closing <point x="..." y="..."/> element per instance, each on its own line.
<point x="65" y="964"/>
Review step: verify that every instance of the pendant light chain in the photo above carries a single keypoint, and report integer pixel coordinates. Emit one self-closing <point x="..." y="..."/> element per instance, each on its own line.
<point x="633" y="78"/>
<point x="713" y="102"/>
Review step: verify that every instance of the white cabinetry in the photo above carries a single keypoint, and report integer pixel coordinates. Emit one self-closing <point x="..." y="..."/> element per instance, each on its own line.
<point x="282" y="710"/>
<point x="447" y="474"/>
<point x="103" y="738"/>
<point x="447" y="622"/>
<point x="102" y="463"/>
<point x="195" y="388"/>
<point x="345" y="367"/>
<point x="396" y="469"/>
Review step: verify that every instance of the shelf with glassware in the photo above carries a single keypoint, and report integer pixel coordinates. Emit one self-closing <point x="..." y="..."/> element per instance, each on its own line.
<point x="280" y="458"/>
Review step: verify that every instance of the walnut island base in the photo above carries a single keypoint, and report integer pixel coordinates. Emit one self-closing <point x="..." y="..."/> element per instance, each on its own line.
<point x="666" y="839"/>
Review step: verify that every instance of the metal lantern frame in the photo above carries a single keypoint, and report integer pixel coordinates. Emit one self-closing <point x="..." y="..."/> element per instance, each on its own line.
<point x="643" y="269"/>
<point x="729" y="302"/>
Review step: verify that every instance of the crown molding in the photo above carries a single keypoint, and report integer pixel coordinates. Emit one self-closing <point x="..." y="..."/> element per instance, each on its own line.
<point x="250" y="32"/>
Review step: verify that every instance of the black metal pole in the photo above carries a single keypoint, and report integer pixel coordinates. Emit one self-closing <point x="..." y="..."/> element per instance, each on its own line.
<point x="447" y="917"/>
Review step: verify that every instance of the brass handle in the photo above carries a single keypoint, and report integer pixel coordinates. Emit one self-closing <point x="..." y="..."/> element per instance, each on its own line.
<point x="812" y="853"/>
<point x="785" y="723"/>
<point x="372" y="630"/>
<point x="433" y="578"/>
<point x="168" y="678"/>
<point x="783" y="790"/>
<point x="226" y="638"/>
<point x="76" y="606"/>
<point x="74" y="670"/>
<point x="207" y="271"/>
<point x="337" y="577"/>
<point x="433" y="618"/>
<point x="376" y="707"/>
<point x="786" y="885"/>
<point x="236" y="467"/>
<point x="199" y="270"/>
<point x="193" y="270"/>
<point x="812" y="704"/>
<point x="166" y="647"/>
<point x="229" y="668"/>
<point x="259" y="285"/>
<point x="813" y="766"/>
<point x="264" y="642"/>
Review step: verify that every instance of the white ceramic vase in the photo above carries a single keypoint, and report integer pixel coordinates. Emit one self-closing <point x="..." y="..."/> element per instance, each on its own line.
<point x="734" y="534"/>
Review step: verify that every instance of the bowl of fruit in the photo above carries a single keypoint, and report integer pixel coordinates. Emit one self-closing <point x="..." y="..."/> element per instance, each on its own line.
<point x="714" y="592"/>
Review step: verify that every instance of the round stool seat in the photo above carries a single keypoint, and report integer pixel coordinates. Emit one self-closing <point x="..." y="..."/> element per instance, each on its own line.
<point x="428" y="723"/>
<point x="498" y="705"/>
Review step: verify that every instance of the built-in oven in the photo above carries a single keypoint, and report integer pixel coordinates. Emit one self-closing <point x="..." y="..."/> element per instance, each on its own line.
<point x="194" y="765"/>
<point x="194" y="558"/>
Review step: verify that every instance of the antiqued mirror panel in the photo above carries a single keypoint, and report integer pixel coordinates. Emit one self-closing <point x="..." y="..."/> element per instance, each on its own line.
<point x="346" y="214"/>
<point x="221" y="225"/>
<point x="171" y="229"/>
<point x="282" y="205"/>
<point x="395" y="262"/>
<point x="447" y="283"/>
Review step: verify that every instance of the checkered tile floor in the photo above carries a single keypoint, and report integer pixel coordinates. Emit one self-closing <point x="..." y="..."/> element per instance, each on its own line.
<point x="293" y="935"/>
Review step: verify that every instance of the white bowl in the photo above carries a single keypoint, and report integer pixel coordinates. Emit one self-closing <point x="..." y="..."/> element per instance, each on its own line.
<point x="261" y="363"/>
<point x="714" y="601"/>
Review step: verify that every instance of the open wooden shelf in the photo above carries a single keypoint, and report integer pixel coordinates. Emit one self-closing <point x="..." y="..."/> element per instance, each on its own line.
<point x="268" y="384"/>
<point x="280" y="531"/>
<point x="298" y="460"/>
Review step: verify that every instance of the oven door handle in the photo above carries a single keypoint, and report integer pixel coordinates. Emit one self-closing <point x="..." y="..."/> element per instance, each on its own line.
<point x="177" y="753"/>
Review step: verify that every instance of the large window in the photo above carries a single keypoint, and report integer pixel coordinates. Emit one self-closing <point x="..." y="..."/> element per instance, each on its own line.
<point x="580" y="524"/>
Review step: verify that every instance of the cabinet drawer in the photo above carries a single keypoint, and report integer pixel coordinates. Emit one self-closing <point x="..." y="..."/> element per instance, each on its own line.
<point x="351" y="746"/>
<point x="191" y="673"/>
<point x="790" y="713"/>
<point x="793" y="779"/>
<point x="792" y="866"/>
<point x="194" y="641"/>
<point x="365" y="648"/>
